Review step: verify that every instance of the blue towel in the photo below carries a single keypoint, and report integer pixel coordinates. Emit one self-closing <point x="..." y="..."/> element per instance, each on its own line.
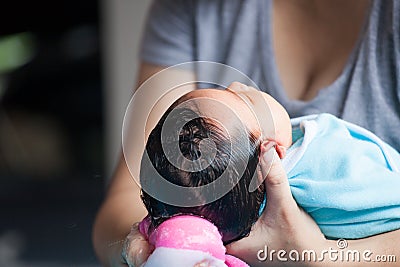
<point x="344" y="176"/>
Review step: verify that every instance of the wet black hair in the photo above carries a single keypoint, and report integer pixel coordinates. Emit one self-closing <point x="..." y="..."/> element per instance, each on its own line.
<point x="235" y="212"/>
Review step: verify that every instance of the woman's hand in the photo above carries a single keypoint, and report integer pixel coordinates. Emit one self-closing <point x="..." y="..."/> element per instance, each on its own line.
<point x="136" y="249"/>
<point x="283" y="224"/>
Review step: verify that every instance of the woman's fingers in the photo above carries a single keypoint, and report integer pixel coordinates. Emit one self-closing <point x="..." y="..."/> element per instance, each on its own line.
<point x="237" y="86"/>
<point x="283" y="225"/>
<point x="279" y="196"/>
<point x="205" y="263"/>
<point x="136" y="248"/>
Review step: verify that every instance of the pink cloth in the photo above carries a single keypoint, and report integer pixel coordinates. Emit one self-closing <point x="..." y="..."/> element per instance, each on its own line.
<point x="191" y="233"/>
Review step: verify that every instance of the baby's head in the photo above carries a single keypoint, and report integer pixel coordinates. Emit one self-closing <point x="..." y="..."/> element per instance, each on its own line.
<point x="235" y="212"/>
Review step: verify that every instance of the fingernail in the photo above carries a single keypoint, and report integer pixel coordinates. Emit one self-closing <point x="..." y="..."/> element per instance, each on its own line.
<point x="266" y="146"/>
<point x="268" y="157"/>
<point x="139" y="257"/>
<point x="203" y="264"/>
<point x="269" y="154"/>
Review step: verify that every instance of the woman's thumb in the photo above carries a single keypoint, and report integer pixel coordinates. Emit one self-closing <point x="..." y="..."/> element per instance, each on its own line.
<point x="276" y="182"/>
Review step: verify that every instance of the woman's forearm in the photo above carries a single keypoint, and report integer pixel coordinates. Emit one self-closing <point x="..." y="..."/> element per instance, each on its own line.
<point x="121" y="208"/>
<point x="123" y="205"/>
<point x="286" y="235"/>
<point x="379" y="250"/>
<point x="113" y="224"/>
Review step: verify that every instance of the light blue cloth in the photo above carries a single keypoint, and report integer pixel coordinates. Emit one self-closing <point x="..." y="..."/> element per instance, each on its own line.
<point x="344" y="176"/>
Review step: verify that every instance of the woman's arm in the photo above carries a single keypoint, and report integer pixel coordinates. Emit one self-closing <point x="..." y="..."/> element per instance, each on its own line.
<point x="380" y="250"/>
<point x="287" y="228"/>
<point x="122" y="206"/>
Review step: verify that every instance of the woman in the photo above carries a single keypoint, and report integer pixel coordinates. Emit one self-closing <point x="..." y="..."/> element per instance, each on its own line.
<point x="340" y="57"/>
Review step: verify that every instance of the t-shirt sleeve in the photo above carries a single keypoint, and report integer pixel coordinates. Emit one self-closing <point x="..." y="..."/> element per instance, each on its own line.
<point x="168" y="34"/>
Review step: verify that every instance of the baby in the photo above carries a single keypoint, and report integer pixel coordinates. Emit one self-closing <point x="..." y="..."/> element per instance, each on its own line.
<point x="342" y="175"/>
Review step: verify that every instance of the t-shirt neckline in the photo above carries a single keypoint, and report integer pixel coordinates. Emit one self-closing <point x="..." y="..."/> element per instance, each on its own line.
<point x="271" y="70"/>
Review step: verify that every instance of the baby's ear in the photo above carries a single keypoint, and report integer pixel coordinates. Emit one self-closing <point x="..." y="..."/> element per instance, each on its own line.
<point x="268" y="144"/>
<point x="281" y="150"/>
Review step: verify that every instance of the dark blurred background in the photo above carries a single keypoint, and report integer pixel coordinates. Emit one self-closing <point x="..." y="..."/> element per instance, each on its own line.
<point x="54" y="114"/>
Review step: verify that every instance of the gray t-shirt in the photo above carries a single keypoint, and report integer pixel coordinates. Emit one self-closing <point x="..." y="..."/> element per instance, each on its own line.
<point x="238" y="33"/>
